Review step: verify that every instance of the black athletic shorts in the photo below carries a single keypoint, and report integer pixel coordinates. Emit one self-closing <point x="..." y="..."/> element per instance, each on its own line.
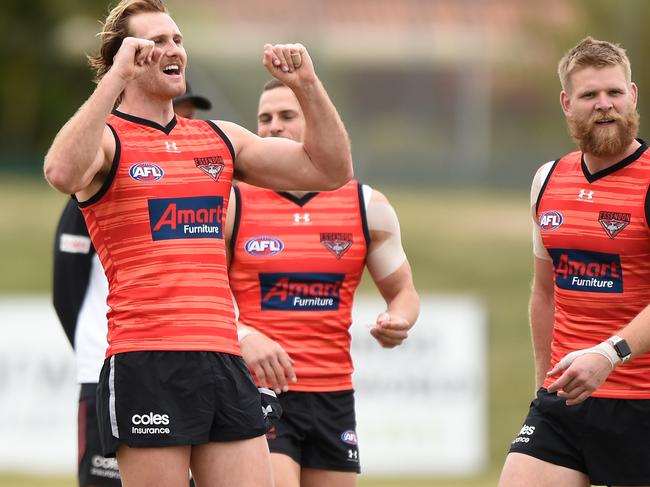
<point x="317" y="430"/>
<point x="94" y="468"/>
<point x="154" y="399"/>
<point x="607" y="439"/>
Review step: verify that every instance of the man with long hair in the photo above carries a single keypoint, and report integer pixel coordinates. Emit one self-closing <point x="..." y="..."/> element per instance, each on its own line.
<point x="174" y="392"/>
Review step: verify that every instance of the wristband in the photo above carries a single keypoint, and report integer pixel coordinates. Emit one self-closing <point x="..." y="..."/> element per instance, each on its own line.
<point x="605" y="349"/>
<point x="621" y="347"/>
<point x="244" y="332"/>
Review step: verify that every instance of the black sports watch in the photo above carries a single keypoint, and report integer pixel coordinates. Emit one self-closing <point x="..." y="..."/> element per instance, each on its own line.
<point x="621" y="347"/>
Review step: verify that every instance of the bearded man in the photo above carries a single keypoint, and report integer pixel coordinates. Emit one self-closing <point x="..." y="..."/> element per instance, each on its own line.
<point x="589" y="306"/>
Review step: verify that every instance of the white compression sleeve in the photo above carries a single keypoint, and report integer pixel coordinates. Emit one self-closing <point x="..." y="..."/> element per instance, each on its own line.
<point x="540" y="177"/>
<point x="386" y="253"/>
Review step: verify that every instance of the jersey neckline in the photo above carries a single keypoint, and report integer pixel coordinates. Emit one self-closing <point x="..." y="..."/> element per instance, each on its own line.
<point x="143" y="121"/>
<point x="300" y="201"/>
<point x="619" y="165"/>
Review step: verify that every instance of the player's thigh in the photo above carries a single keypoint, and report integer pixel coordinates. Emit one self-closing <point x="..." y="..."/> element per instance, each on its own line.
<point x="286" y="471"/>
<point x="156" y="466"/>
<point x="521" y="470"/>
<point x="241" y="463"/>
<point x="314" y="477"/>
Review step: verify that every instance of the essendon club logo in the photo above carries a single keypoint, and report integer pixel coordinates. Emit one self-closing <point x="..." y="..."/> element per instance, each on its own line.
<point x="212" y="166"/>
<point x="337" y="243"/>
<point x="613" y="223"/>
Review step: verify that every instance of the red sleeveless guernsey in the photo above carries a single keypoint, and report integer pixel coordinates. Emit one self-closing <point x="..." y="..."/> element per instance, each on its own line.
<point x="595" y="228"/>
<point x="296" y="263"/>
<point x="157" y="224"/>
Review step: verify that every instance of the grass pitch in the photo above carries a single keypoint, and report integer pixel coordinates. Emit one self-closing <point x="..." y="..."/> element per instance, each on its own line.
<point x="472" y="242"/>
<point x="489" y="480"/>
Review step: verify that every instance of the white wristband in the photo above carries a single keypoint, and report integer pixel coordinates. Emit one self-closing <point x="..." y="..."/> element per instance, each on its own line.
<point x="605" y="349"/>
<point x="244" y="332"/>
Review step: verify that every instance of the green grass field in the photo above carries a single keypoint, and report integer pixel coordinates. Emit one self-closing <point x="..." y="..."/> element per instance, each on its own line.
<point x="471" y="242"/>
<point x="488" y="480"/>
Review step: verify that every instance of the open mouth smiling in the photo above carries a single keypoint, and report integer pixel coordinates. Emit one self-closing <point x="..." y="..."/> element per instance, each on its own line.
<point x="172" y="69"/>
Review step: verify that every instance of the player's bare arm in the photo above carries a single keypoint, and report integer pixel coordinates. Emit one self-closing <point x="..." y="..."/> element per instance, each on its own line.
<point x="541" y="307"/>
<point x="323" y="161"/>
<point x="83" y="150"/>
<point x="391" y="272"/>
<point x="541" y="313"/>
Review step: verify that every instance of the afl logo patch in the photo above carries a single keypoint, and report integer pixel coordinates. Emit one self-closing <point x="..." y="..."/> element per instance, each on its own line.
<point x="264" y="246"/>
<point x="146" y="172"/>
<point x="550" y="220"/>
<point x="349" y="437"/>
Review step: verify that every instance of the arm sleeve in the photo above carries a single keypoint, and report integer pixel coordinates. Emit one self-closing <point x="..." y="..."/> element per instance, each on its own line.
<point x="385" y="251"/>
<point x="73" y="253"/>
<point x="538" y="182"/>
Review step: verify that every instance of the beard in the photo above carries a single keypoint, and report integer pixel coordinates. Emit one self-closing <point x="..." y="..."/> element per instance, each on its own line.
<point x="604" y="140"/>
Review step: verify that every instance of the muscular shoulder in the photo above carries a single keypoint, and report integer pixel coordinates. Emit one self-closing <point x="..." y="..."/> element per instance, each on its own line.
<point x="237" y="134"/>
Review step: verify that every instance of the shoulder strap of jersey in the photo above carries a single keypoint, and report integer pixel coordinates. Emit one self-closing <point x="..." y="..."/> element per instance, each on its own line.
<point x="363" y="206"/>
<point x="235" y="224"/>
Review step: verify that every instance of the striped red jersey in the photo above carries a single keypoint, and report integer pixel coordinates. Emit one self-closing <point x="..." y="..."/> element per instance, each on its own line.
<point x="296" y="263"/>
<point x="595" y="228"/>
<point x="157" y="224"/>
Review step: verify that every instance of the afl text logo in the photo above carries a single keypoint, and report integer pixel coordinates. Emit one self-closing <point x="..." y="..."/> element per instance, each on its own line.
<point x="349" y="437"/>
<point x="264" y="246"/>
<point x="146" y="172"/>
<point x="550" y="220"/>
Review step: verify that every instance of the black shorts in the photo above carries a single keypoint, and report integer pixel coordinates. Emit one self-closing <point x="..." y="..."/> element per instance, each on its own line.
<point x="607" y="439"/>
<point x="94" y="468"/>
<point x="155" y="399"/>
<point x="317" y="430"/>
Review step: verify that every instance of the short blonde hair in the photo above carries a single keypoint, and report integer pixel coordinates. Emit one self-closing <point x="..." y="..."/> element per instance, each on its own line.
<point x="115" y="28"/>
<point x="272" y="84"/>
<point x="590" y="52"/>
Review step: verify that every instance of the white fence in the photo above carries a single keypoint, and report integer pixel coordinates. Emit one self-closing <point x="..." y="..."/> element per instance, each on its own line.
<point x="421" y="408"/>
